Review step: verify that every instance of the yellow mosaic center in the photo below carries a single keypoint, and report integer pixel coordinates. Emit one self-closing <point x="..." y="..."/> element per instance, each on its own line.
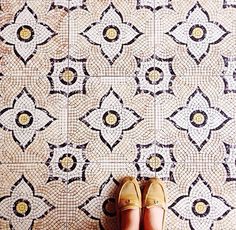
<point x="24" y="119"/>
<point x="68" y="76"/>
<point x="67" y="162"/>
<point x="198" y="118"/>
<point x="25" y="33"/>
<point x="111" y="119"/>
<point x="22" y="207"/>
<point x="200" y="207"/>
<point x="197" y="32"/>
<point x="155" y="162"/>
<point x="111" y="33"/>
<point x="154" y="75"/>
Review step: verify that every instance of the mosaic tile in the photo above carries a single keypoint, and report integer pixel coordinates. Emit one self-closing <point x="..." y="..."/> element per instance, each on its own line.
<point x="31" y="119"/>
<point x="113" y="120"/>
<point x="201" y="201"/>
<point x="27" y="201"/>
<point x="92" y="91"/>
<point x="195" y="31"/>
<point x="179" y="116"/>
<point x="111" y="36"/>
<point x="30" y="36"/>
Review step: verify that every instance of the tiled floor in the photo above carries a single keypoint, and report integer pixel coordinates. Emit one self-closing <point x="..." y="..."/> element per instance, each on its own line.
<point x="94" y="90"/>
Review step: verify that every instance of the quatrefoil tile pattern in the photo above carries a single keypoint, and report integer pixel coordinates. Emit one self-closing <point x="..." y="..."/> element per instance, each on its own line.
<point x="92" y="91"/>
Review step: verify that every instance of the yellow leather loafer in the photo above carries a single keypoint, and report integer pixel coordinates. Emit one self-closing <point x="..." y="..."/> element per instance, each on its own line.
<point x="154" y="194"/>
<point x="128" y="196"/>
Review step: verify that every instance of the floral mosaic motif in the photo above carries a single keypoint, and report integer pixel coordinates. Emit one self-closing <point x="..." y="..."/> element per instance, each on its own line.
<point x="26" y="33"/>
<point x="199" y="118"/>
<point x="200" y="207"/>
<point x="198" y="33"/>
<point x="230" y="162"/>
<point x="68" y="76"/>
<point x="155" y="160"/>
<point x="23" y="206"/>
<point x="154" y="75"/>
<point x="154" y="5"/>
<point x="111" y="33"/>
<point x="24" y="119"/>
<point x="111" y="119"/>
<point x="101" y="207"/>
<point x="229" y="74"/>
<point x="229" y="3"/>
<point x="67" y="162"/>
<point x="69" y="4"/>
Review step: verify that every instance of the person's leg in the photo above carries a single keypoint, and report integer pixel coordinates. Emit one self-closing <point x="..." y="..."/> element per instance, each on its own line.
<point x="130" y="219"/>
<point x="154" y="203"/>
<point x="153" y="218"/>
<point x="128" y="204"/>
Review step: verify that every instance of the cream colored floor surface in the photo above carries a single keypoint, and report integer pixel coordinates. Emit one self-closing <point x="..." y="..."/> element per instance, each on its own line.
<point x="92" y="91"/>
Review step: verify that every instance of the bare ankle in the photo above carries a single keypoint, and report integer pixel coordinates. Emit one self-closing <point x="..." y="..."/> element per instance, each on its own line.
<point x="130" y="219"/>
<point x="153" y="218"/>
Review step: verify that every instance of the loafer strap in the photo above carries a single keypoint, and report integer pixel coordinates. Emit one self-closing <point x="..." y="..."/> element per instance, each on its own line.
<point x="125" y="204"/>
<point x="150" y="203"/>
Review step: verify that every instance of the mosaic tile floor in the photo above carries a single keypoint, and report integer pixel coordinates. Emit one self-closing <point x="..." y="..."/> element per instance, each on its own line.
<point x="91" y="91"/>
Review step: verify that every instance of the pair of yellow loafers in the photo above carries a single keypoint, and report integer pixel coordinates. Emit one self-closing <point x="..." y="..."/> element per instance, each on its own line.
<point x="129" y="196"/>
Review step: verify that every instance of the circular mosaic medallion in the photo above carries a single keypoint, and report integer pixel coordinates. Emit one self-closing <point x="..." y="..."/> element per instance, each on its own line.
<point x="111" y="118"/>
<point x="111" y="33"/>
<point x="155" y="162"/>
<point x="22" y="207"/>
<point x="25" y="33"/>
<point x="67" y="162"/>
<point x="201" y="207"/>
<point x="108" y="207"/>
<point x="24" y="119"/>
<point x="198" y="118"/>
<point x="68" y="76"/>
<point x="197" y="33"/>
<point x="154" y="75"/>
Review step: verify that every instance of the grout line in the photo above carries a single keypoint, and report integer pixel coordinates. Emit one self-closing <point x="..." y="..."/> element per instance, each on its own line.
<point x="155" y="109"/>
<point x="67" y="123"/>
<point x="132" y="76"/>
<point x="122" y="162"/>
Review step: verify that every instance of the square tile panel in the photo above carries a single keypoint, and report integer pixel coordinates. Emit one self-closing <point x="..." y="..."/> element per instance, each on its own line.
<point x="31" y="37"/>
<point x="108" y="117"/>
<point x="92" y="91"/>
<point x="32" y="119"/>
<point x="108" y="36"/>
<point x="203" y="196"/>
<point x="29" y="200"/>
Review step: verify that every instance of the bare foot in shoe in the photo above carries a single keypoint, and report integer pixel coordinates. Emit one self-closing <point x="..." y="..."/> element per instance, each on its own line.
<point x="130" y="219"/>
<point x="153" y="218"/>
<point x="154" y="204"/>
<point x="128" y="204"/>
